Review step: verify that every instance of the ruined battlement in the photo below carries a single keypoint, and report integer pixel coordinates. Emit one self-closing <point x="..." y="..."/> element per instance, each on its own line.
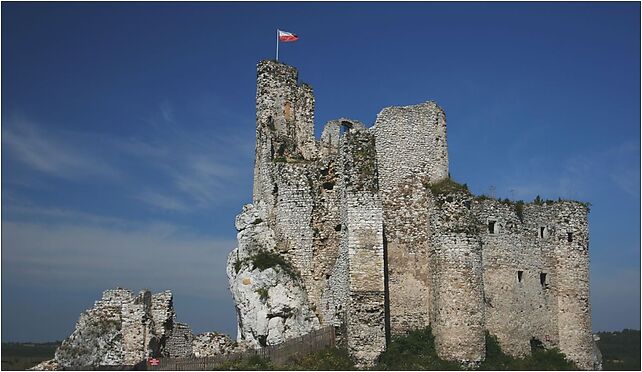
<point x="357" y="226"/>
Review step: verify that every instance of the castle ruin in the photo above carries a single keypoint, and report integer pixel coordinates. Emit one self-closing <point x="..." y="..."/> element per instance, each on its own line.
<point x="380" y="241"/>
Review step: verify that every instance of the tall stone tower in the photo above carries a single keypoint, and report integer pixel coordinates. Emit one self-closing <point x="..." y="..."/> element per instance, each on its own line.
<point x="411" y="153"/>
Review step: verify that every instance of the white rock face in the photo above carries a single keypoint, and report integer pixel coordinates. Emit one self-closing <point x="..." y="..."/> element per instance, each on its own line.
<point x="271" y="303"/>
<point x="47" y="365"/>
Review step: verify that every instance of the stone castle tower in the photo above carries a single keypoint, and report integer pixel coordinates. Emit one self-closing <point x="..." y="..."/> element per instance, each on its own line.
<point x="370" y="236"/>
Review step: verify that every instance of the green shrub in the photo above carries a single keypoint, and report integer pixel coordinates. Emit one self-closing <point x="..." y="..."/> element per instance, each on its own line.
<point x="237" y="265"/>
<point x="483" y="197"/>
<point x="540" y="359"/>
<point x="254" y="363"/>
<point x="447" y="186"/>
<point x="263" y="260"/>
<point x="329" y="359"/>
<point x="519" y="210"/>
<point x="538" y="200"/>
<point x="263" y="293"/>
<point x="414" y="351"/>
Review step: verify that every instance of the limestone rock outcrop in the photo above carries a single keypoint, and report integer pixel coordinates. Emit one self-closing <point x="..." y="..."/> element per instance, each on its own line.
<point x="271" y="303"/>
<point x="47" y="365"/>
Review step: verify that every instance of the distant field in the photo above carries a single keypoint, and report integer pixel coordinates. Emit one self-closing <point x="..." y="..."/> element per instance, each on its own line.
<point x="20" y="356"/>
<point x="620" y="350"/>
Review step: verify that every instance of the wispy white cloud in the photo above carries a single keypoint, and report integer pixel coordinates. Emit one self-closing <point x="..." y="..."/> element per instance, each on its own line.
<point x="168" y="167"/>
<point x="47" y="153"/>
<point x="199" y="169"/>
<point x="157" y="200"/>
<point x="577" y="177"/>
<point x="76" y="254"/>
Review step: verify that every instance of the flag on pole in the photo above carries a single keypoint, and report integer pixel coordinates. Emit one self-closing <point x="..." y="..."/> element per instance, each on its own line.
<point x="285" y="36"/>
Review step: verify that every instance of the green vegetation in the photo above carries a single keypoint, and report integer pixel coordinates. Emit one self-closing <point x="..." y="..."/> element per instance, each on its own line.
<point x="263" y="260"/>
<point x="254" y="363"/>
<point x="237" y="265"/>
<point x="447" y="186"/>
<point x="21" y="356"/>
<point x="519" y="210"/>
<point x="329" y="359"/>
<point x="620" y="350"/>
<point x="540" y="359"/>
<point x="263" y="293"/>
<point x="414" y="351"/>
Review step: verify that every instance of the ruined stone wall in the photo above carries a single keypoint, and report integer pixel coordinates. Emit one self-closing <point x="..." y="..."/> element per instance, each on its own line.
<point x="162" y="311"/>
<point x="411" y="152"/>
<point x="284" y="123"/>
<point x="286" y="172"/>
<point x="377" y="251"/>
<point x="121" y="329"/>
<point x="179" y="344"/>
<point x="518" y="306"/>
<point x="326" y="226"/>
<point x="362" y="235"/>
<point x="535" y="280"/>
<point x="456" y="259"/>
<point x="137" y="328"/>
<point x="572" y="265"/>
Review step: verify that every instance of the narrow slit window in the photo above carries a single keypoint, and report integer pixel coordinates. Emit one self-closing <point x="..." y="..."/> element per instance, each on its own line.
<point x="491" y="227"/>
<point x="520" y="275"/>
<point x="541" y="231"/>
<point x="542" y="279"/>
<point x="569" y="237"/>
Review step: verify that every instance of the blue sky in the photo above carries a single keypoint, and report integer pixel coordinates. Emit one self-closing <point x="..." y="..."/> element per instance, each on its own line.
<point x="128" y="132"/>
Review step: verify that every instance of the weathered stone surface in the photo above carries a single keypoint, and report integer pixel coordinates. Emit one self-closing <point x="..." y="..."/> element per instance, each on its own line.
<point x="271" y="304"/>
<point x="378" y="251"/>
<point x="121" y="329"/>
<point x="47" y="365"/>
<point x="212" y="343"/>
<point x="179" y="343"/>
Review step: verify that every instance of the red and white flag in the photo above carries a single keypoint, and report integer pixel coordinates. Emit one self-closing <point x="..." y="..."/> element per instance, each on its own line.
<point x="285" y="36"/>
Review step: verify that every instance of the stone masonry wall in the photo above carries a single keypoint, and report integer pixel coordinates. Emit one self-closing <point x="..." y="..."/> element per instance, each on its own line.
<point x="456" y="257"/>
<point x="377" y="251"/>
<point x="362" y="233"/>
<point x="121" y="329"/>
<point x="179" y="345"/>
<point x="572" y="265"/>
<point x="411" y="151"/>
<point x="516" y="258"/>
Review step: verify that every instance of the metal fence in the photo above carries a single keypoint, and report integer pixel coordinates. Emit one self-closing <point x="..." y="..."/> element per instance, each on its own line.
<point x="277" y="354"/>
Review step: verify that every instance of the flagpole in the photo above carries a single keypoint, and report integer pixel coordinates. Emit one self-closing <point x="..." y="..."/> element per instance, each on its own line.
<point x="277" y="45"/>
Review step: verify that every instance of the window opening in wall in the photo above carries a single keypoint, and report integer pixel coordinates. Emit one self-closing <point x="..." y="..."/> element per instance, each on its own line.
<point x="569" y="237"/>
<point x="541" y="231"/>
<point x="542" y="279"/>
<point x="520" y="274"/>
<point x="491" y="227"/>
<point x="345" y="127"/>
